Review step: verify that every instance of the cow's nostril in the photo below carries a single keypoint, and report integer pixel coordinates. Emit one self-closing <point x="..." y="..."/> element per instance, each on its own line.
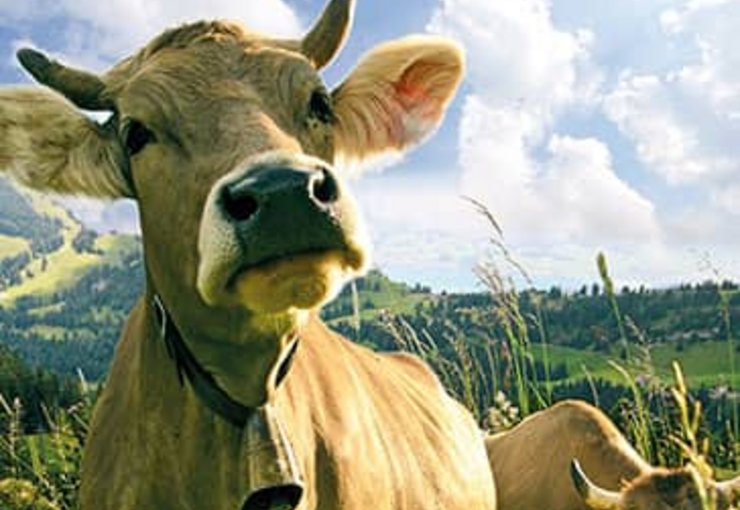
<point x="238" y="205"/>
<point x="324" y="188"/>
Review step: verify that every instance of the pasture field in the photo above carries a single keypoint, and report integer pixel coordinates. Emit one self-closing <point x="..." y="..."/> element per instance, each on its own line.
<point x="706" y="363"/>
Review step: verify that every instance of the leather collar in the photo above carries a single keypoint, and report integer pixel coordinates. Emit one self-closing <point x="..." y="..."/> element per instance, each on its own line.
<point x="204" y="385"/>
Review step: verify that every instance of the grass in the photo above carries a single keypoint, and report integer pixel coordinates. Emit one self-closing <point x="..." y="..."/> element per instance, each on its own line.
<point x="47" y="332"/>
<point x="704" y="363"/>
<point x="389" y="296"/>
<point x="63" y="267"/>
<point x="41" y="472"/>
<point x="41" y="311"/>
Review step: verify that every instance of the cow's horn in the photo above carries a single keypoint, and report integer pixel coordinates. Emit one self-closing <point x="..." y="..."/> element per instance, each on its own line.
<point x="593" y="495"/>
<point x="82" y="88"/>
<point x="730" y="489"/>
<point x="327" y="36"/>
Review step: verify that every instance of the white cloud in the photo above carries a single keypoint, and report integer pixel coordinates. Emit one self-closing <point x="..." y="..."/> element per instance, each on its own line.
<point x="524" y="74"/>
<point x="685" y="123"/>
<point x="557" y="197"/>
<point x="569" y="193"/>
<point x="516" y="57"/>
<point x="421" y="226"/>
<point x="560" y="198"/>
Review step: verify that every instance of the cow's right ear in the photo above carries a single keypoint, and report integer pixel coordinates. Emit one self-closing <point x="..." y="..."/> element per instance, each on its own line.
<point x="47" y="144"/>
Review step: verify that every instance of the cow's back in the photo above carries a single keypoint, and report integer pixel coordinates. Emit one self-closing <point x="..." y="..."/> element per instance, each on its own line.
<point x="531" y="462"/>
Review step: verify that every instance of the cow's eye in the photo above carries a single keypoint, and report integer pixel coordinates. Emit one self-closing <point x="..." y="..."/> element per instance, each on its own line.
<point x="320" y="106"/>
<point x="136" y="136"/>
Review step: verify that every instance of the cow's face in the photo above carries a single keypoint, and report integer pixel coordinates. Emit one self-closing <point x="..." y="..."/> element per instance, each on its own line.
<point x="231" y="149"/>
<point x="229" y="142"/>
<point x="660" y="489"/>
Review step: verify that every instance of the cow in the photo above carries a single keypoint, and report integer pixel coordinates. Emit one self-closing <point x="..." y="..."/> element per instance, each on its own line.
<point x="572" y="457"/>
<point x="226" y="390"/>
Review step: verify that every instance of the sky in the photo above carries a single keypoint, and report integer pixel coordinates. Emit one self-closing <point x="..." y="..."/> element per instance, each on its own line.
<point x="583" y="126"/>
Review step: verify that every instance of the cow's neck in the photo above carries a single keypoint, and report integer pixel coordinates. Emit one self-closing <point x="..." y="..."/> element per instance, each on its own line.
<point x="229" y="379"/>
<point x="266" y="468"/>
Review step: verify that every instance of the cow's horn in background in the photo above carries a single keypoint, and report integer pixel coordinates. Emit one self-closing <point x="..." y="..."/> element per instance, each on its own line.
<point x="593" y="495"/>
<point x="272" y="470"/>
<point x="82" y="88"/>
<point x="327" y="36"/>
<point x="730" y="489"/>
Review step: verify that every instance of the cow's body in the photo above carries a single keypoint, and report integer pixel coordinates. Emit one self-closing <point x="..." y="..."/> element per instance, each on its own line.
<point x="369" y="431"/>
<point x="531" y="462"/>
<point x="532" y="466"/>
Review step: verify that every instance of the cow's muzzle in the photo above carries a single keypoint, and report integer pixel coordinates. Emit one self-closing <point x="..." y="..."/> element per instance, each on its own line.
<point x="283" y="218"/>
<point x="282" y="211"/>
<point x="274" y="481"/>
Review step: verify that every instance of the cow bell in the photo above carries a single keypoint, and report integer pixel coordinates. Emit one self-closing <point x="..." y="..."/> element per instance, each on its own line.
<point x="274" y="481"/>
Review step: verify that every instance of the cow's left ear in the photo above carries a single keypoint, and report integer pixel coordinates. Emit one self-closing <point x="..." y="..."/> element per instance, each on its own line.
<point x="396" y="96"/>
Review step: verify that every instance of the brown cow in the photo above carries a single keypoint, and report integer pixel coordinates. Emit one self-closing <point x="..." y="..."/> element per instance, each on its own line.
<point x="227" y="391"/>
<point x="537" y="465"/>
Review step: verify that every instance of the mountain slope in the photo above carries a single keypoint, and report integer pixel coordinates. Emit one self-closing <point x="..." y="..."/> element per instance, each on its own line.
<point x="44" y="249"/>
<point x="64" y="290"/>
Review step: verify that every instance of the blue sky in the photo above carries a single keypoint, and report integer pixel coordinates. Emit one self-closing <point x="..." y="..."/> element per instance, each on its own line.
<point x="583" y="126"/>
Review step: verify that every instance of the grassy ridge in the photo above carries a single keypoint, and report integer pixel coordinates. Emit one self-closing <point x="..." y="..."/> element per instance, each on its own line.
<point x="11" y="246"/>
<point x="51" y="272"/>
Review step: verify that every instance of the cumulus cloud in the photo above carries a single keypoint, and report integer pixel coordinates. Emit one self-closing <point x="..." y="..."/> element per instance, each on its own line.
<point x="568" y="192"/>
<point x="685" y="122"/>
<point x="562" y="197"/>
<point x="516" y="57"/>
<point x="524" y="73"/>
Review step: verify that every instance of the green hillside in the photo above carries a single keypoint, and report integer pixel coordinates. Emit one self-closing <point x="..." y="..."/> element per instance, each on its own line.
<point x="45" y="249"/>
<point x="61" y="282"/>
<point x="706" y="363"/>
<point x="376" y="293"/>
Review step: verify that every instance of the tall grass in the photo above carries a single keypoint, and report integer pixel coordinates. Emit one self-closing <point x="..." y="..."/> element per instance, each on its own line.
<point x="664" y="422"/>
<point x="498" y="372"/>
<point x="724" y="296"/>
<point x="41" y="471"/>
<point x="694" y="449"/>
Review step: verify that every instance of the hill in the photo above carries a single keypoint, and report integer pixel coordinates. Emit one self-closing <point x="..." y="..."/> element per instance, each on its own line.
<point x="573" y="331"/>
<point x="44" y="249"/>
<point x="56" y="281"/>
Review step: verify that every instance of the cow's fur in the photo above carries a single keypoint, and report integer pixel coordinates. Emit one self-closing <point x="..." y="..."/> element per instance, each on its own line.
<point x="531" y="465"/>
<point x="369" y="430"/>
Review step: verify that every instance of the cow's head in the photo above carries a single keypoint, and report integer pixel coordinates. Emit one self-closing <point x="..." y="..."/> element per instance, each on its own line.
<point x="659" y="489"/>
<point x="228" y="141"/>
